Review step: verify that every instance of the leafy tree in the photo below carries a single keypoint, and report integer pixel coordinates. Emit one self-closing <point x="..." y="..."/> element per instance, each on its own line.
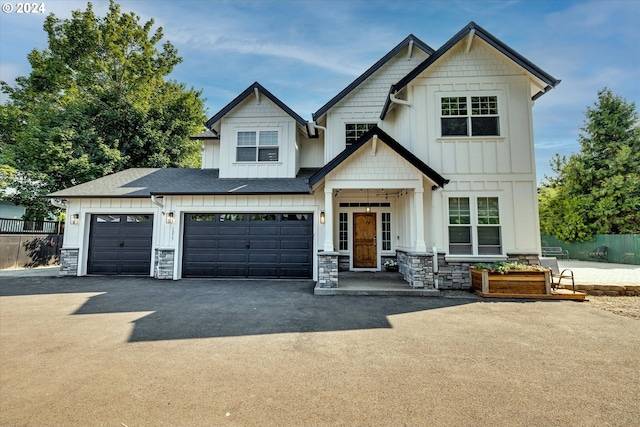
<point x="97" y="101"/>
<point x="597" y="190"/>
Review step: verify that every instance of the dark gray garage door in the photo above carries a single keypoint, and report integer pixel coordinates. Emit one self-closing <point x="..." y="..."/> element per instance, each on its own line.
<point x="248" y="245"/>
<point x="120" y="244"/>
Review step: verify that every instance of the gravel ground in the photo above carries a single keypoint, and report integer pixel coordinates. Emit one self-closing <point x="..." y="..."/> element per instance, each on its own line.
<point x="624" y="306"/>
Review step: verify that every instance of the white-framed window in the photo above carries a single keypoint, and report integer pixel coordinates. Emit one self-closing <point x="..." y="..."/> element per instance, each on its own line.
<point x="469" y="116"/>
<point x="353" y="131"/>
<point x="386" y="231"/>
<point x="343" y="231"/>
<point x="257" y="146"/>
<point x="474" y="226"/>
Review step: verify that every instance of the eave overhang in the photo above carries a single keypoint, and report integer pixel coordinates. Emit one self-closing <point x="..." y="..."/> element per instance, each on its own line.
<point x="255" y="89"/>
<point x="474" y="30"/>
<point x="411" y="41"/>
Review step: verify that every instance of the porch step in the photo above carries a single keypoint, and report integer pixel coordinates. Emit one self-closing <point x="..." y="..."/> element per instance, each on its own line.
<point x="380" y="283"/>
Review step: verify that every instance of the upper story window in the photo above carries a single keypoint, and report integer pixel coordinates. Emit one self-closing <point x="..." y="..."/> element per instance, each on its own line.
<point x="257" y="146"/>
<point x="353" y="131"/>
<point x="470" y="116"/>
<point x="474" y="226"/>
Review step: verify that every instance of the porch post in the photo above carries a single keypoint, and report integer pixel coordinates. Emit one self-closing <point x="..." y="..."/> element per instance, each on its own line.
<point x="328" y="219"/>
<point x="418" y="202"/>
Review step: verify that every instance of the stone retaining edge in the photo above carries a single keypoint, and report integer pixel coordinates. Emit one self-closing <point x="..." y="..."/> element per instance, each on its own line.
<point x="609" y="290"/>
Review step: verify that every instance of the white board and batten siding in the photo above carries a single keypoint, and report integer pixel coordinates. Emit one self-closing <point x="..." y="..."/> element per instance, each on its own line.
<point x="253" y="116"/>
<point x="501" y="166"/>
<point x="364" y="103"/>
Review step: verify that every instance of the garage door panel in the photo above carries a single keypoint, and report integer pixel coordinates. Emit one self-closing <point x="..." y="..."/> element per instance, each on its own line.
<point x="225" y="244"/>
<point x="248" y="245"/>
<point x="295" y="244"/>
<point x="120" y="244"/>
<point x="263" y="231"/>
<point x="294" y="231"/>
<point x="263" y="244"/>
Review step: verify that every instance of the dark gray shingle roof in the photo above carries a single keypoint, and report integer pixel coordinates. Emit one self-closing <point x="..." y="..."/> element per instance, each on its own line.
<point x="143" y="182"/>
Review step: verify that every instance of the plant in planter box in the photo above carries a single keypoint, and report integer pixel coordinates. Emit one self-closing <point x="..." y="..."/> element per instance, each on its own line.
<point x="391" y="265"/>
<point x="510" y="277"/>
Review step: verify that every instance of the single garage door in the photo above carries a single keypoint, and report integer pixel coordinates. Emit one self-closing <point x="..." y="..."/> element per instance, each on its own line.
<point x="120" y="244"/>
<point x="248" y="245"/>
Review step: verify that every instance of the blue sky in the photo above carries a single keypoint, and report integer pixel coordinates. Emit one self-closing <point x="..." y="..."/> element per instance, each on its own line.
<point x="305" y="51"/>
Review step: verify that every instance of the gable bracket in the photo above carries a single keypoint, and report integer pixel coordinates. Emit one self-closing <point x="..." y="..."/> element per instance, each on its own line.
<point x="469" y="40"/>
<point x="257" y="92"/>
<point x="374" y="145"/>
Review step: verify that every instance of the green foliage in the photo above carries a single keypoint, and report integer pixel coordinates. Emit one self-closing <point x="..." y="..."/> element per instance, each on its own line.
<point x="597" y="191"/>
<point x="96" y="102"/>
<point x="504" y="267"/>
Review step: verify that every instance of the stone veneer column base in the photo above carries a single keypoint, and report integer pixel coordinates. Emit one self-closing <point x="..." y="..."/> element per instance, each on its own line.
<point x="416" y="268"/>
<point x="69" y="261"/>
<point x="328" y="269"/>
<point x="163" y="268"/>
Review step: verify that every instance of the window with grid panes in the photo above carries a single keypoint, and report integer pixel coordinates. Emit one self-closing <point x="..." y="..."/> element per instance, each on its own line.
<point x="469" y="116"/>
<point x="386" y="231"/>
<point x="353" y="131"/>
<point x="343" y="231"/>
<point x="260" y="146"/>
<point x="477" y="234"/>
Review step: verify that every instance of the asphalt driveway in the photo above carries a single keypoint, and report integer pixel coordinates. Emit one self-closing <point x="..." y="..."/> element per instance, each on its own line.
<point x="105" y="351"/>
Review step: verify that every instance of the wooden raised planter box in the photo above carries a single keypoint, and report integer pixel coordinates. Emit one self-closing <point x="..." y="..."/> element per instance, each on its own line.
<point x="512" y="282"/>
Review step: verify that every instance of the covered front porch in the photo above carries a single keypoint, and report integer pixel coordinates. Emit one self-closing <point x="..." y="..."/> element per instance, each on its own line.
<point x="378" y="208"/>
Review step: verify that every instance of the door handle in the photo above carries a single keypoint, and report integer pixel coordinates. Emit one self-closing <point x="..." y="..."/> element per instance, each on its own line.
<point x="121" y="244"/>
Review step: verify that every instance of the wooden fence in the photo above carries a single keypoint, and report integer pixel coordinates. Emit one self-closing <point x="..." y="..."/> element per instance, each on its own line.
<point x="25" y="244"/>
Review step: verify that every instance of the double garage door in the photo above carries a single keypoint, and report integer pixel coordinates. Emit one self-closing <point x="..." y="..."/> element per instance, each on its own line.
<point x="275" y="245"/>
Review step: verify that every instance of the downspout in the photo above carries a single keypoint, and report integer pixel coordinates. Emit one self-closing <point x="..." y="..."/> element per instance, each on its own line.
<point x="155" y="201"/>
<point x="322" y="128"/>
<point x="435" y="266"/>
<point x="57" y="204"/>
<point x="399" y="101"/>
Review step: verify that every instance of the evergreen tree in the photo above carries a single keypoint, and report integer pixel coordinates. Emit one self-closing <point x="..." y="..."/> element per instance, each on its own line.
<point x="597" y="190"/>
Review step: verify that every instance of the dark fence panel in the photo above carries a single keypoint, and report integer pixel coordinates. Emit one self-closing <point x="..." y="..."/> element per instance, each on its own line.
<point x="18" y="226"/>
<point x="621" y="248"/>
<point x="29" y="250"/>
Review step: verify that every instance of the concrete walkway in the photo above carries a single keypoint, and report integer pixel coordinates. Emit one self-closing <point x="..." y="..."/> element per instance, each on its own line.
<point x="600" y="273"/>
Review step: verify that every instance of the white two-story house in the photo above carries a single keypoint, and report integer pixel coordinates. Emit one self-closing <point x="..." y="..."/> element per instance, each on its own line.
<point x="427" y="158"/>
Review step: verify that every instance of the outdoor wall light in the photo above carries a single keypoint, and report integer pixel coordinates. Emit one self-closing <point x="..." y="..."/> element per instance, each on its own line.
<point x="321" y="217"/>
<point x="75" y="219"/>
<point x="170" y="218"/>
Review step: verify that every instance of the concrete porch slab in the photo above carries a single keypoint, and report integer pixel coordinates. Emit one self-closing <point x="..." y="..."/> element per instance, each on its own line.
<point x="374" y="283"/>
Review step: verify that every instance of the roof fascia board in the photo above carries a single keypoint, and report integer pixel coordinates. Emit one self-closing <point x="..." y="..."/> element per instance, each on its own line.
<point x="375" y="67"/>
<point x="391" y="143"/>
<point x="487" y="37"/>
<point x="251" y="91"/>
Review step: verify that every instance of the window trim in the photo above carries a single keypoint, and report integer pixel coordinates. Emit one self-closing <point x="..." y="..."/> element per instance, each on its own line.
<point x="257" y="145"/>
<point x="475" y="225"/>
<point x="370" y="124"/>
<point x="502" y="116"/>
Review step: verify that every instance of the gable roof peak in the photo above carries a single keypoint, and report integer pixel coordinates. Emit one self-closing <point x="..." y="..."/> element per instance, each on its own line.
<point x="248" y="92"/>
<point x="490" y="39"/>
<point x="375" y="67"/>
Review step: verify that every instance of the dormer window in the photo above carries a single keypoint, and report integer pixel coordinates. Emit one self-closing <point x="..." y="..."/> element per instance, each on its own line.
<point x="257" y="146"/>
<point x="470" y="116"/>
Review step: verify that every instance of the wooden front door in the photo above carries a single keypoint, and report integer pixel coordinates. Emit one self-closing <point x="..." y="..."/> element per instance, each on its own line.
<point x="365" y="254"/>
